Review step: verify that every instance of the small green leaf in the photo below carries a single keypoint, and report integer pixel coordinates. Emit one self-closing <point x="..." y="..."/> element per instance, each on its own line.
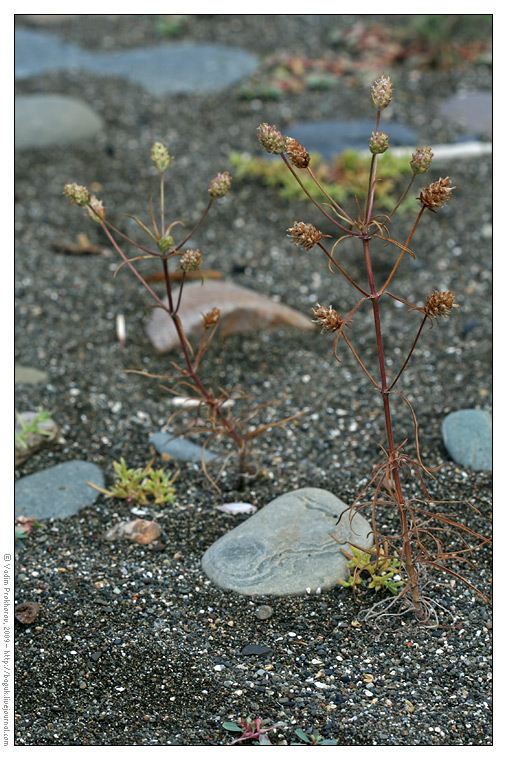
<point x="301" y="735"/>
<point x="231" y="726"/>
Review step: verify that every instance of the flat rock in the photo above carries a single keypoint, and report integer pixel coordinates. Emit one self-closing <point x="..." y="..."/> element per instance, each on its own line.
<point x="242" y="310"/>
<point x="28" y="375"/>
<point x="471" y="110"/>
<point x="59" y="491"/>
<point x="45" y="120"/>
<point x="176" y="67"/>
<point x="329" y="137"/>
<point x="468" y="438"/>
<point x="179" y="448"/>
<point x="286" y="547"/>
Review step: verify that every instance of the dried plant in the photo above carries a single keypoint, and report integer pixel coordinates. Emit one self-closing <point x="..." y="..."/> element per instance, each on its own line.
<point x="212" y="408"/>
<point x="419" y="545"/>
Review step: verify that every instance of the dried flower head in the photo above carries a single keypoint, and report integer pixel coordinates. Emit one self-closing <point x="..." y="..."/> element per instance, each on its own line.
<point x="379" y="142"/>
<point x="220" y="185"/>
<point x="77" y="194"/>
<point x="328" y="318"/>
<point x="96" y="209"/>
<point x="436" y="194"/>
<point x="211" y="318"/>
<point x="270" y="138"/>
<point x="421" y="160"/>
<point x="381" y="92"/>
<point x="440" y="304"/>
<point x="191" y="260"/>
<point x="160" y="156"/>
<point x="297" y="154"/>
<point x="305" y="235"/>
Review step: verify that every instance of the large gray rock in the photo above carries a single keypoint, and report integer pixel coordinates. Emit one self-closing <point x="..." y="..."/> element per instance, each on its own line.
<point x="468" y="438"/>
<point x="59" y="491"/>
<point x="286" y="548"/>
<point x="242" y="310"/>
<point x="45" y="120"/>
<point x="176" y="67"/>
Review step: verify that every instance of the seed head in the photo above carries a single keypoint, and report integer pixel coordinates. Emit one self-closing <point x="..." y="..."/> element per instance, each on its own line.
<point x="270" y="138"/>
<point x="436" y="194"/>
<point x="220" y="185"/>
<point x="191" y="260"/>
<point x="77" y="194"/>
<point x="421" y="160"/>
<point x="211" y="318"/>
<point x="305" y="235"/>
<point x="165" y="243"/>
<point x="327" y="317"/>
<point x="379" y="142"/>
<point x="381" y="92"/>
<point x="440" y="304"/>
<point x="160" y="156"/>
<point x="96" y="209"/>
<point x="297" y="154"/>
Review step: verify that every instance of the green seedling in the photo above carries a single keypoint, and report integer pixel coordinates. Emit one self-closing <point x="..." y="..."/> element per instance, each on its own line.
<point x="384" y="571"/>
<point x="32" y="427"/>
<point x="171" y="26"/>
<point x="251" y="728"/>
<point x="312" y="739"/>
<point x="141" y="485"/>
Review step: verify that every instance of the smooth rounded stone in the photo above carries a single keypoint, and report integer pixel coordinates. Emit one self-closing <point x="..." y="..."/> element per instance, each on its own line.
<point x="330" y="137"/>
<point x="263" y="612"/>
<point x="59" y="491"/>
<point x="286" y="547"/>
<point x="468" y="438"/>
<point x="28" y="375"/>
<point x="46" y="120"/>
<point x="472" y="110"/>
<point x="176" y="67"/>
<point x="179" y="448"/>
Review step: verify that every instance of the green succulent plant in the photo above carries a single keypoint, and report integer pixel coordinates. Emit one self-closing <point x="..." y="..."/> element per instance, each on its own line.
<point x="384" y="570"/>
<point x="343" y="177"/>
<point x="141" y="484"/>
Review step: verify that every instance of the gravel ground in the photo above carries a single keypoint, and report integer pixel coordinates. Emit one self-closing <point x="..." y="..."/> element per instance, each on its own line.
<point x="136" y="647"/>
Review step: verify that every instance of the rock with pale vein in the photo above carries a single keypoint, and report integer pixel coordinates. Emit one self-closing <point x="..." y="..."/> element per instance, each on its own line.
<point x="242" y="310"/>
<point x="287" y="547"/>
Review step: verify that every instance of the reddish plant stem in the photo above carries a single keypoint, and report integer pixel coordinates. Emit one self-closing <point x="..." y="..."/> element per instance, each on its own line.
<point x="407" y="553"/>
<point x="179" y="329"/>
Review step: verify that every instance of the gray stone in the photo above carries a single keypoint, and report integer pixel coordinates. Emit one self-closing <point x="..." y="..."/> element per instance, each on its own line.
<point x="45" y="120"/>
<point x="286" y="547"/>
<point x="471" y="110"/>
<point x="242" y="310"/>
<point x="330" y="137"/>
<point x="29" y="375"/>
<point x="263" y="612"/>
<point x="256" y="649"/>
<point x="179" y="448"/>
<point x="176" y="67"/>
<point x="468" y="438"/>
<point x="59" y="491"/>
